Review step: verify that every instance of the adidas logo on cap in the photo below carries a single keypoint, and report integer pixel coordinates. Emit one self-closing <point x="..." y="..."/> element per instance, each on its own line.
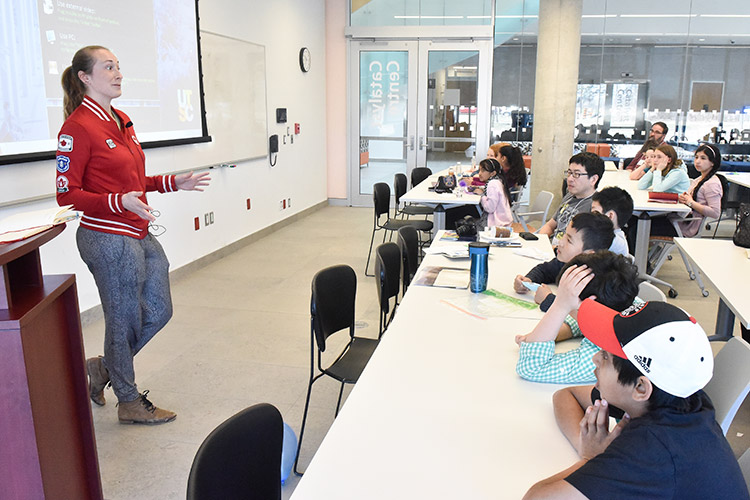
<point x="644" y="362"/>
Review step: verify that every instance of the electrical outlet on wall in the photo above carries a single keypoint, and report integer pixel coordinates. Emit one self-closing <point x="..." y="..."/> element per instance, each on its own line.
<point x="211" y="217"/>
<point x="206" y="219"/>
<point x="248" y="203"/>
<point x="288" y="203"/>
<point x="281" y="205"/>
<point x="197" y="223"/>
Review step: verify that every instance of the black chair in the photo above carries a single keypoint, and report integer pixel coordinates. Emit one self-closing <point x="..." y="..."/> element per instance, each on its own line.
<point x="241" y="458"/>
<point x="334" y="291"/>
<point x="408" y="243"/>
<point x="387" y="272"/>
<point x="419" y="174"/>
<point x="727" y="205"/>
<point x="399" y="187"/>
<point x="381" y="196"/>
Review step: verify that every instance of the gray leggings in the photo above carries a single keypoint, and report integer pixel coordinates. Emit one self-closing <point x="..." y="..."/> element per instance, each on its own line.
<point x="132" y="276"/>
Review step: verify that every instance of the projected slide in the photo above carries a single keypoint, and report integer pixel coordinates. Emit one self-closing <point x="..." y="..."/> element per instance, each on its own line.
<point x="154" y="40"/>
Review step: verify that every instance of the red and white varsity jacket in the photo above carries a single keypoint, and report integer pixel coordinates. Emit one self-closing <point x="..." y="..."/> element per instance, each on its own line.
<point x="97" y="163"/>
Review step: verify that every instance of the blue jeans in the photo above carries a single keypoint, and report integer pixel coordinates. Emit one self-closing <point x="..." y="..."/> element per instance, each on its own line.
<point x="132" y="276"/>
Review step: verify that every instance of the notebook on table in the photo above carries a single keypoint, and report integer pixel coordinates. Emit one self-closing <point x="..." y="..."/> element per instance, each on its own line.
<point x="662" y="197"/>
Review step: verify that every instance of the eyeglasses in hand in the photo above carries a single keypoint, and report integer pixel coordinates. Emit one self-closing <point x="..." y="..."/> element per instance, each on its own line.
<point x="156" y="229"/>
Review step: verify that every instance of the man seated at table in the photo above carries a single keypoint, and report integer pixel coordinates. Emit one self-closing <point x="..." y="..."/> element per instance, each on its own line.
<point x="613" y="280"/>
<point x="617" y="204"/>
<point x="656" y="135"/>
<point x="587" y="232"/>
<point x="584" y="172"/>
<point x="655" y="359"/>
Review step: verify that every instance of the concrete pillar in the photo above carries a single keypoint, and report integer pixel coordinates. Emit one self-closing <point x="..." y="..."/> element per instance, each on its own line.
<point x="557" y="57"/>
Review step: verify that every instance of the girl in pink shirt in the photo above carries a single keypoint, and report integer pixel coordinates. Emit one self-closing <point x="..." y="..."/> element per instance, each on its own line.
<point x="495" y="195"/>
<point x="705" y="192"/>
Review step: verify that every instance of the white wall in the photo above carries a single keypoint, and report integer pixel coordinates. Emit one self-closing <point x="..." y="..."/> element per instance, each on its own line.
<point x="283" y="27"/>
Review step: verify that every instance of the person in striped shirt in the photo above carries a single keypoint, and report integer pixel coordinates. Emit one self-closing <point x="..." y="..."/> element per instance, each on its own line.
<point x="101" y="171"/>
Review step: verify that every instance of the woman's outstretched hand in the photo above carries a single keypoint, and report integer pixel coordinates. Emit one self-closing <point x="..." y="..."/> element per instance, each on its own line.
<point x="192" y="182"/>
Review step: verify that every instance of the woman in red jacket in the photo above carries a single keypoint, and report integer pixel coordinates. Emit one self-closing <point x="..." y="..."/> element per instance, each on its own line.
<point x="101" y="172"/>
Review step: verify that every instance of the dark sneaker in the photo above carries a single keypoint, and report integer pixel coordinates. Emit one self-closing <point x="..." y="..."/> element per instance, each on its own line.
<point x="142" y="411"/>
<point x="98" y="379"/>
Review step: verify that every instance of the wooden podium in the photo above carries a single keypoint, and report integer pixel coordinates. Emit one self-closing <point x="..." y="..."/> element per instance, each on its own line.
<point x="47" y="443"/>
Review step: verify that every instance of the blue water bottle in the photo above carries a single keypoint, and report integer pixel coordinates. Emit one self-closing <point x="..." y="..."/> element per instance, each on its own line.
<point x="479" y="253"/>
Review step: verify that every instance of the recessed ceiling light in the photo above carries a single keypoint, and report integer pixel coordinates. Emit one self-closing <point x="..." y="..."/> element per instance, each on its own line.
<point x="428" y="17"/>
<point x="659" y="15"/>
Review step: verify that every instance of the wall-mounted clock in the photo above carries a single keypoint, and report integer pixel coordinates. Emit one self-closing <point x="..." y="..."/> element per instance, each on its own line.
<point x="304" y="59"/>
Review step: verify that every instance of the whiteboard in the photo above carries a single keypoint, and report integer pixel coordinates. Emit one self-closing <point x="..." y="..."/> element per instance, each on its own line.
<point x="234" y="85"/>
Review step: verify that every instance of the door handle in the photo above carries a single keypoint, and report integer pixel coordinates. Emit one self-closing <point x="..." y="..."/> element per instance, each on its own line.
<point x="411" y="143"/>
<point x="422" y="143"/>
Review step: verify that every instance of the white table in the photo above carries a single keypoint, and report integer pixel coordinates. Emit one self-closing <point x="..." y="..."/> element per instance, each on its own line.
<point x="726" y="266"/>
<point x="739" y="186"/>
<point x="739" y="178"/>
<point x="439" y="201"/>
<point x="439" y="411"/>
<point x="643" y="209"/>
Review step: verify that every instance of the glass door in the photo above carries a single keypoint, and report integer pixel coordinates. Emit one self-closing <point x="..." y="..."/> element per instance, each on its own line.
<point x="415" y="104"/>
<point x="383" y="127"/>
<point x="454" y="103"/>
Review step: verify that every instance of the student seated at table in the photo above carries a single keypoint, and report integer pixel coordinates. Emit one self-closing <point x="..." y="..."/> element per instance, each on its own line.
<point x="587" y="232"/>
<point x="668" y="174"/>
<point x="646" y="161"/>
<point x="495" y="196"/>
<point x="584" y="172"/>
<point x="703" y="197"/>
<point x="655" y="361"/>
<point x="613" y="280"/>
<point x="494" y="202"/>
<point x="617" y="204"/>
<point x="511" y="159"/>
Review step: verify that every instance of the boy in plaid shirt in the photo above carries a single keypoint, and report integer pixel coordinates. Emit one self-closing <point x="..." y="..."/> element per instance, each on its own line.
<point x="613" y="280"/>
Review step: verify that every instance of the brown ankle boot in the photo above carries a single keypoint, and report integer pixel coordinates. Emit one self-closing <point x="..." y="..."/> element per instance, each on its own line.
<point x="98" y="379"/>
<point x="142" y="411"/>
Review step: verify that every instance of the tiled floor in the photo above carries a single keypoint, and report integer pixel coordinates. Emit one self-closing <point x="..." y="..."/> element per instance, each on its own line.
<point x="240" y="335"/>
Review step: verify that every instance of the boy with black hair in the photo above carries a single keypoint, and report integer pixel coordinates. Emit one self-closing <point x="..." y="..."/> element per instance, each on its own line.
<point x="613" y="279"/>
<point x="617" y="204"/>
<point x="584" y="172"/>
<point x="655" y="361"/>
<point x="587" y="232"/>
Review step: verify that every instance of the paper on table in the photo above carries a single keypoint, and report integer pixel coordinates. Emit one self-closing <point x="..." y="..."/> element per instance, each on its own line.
<point x="450" y="277"/>
<point x="491" y="304"/>
<point x="450" y="251"/>
<point x="533" y="253"/>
